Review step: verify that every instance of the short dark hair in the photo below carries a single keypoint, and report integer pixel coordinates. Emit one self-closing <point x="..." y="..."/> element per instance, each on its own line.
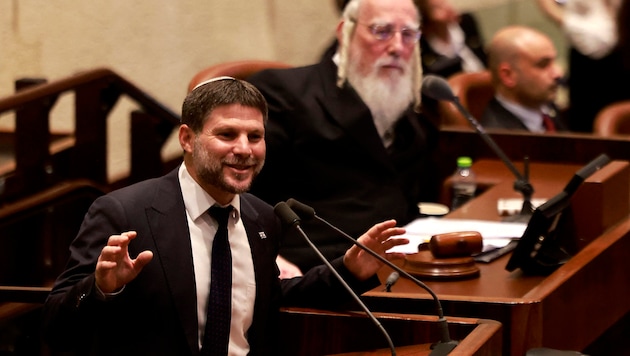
<point x="205" y="97"/>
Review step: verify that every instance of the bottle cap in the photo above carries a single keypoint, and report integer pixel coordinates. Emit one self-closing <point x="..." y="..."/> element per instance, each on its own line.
<point x="464" y="161"/>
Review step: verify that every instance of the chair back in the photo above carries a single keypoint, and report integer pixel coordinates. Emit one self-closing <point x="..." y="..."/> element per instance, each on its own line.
<point x="474" y="91"/>
<point x="613" y="120"/>
<point x="237" y="69"/>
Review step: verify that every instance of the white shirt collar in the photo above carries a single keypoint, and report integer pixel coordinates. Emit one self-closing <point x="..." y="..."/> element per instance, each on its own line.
<point x="457" y="47"/>
<point x="531" y="118"/>
<point x="196" y="200"/>
<point x="449" y="49"/>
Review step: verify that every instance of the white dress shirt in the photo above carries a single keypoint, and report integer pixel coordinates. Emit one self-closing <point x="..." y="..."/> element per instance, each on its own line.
<point x="532" y="119"/>
<point x="202" y="230"/>
<point x="457" y="47"/>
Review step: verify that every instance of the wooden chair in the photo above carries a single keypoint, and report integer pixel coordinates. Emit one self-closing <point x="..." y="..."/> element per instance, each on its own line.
<point x="237" y="69"/>
<point x="613" y="120"/>
<point x="474" y="91"/>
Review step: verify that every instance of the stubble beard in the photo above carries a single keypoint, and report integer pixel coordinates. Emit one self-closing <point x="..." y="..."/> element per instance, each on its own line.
<point x="209" y="170"/>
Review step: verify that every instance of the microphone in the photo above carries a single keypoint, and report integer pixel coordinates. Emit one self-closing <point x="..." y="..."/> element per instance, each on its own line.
<point x="391" y="280"/>
<point x="438" y="88"/>
<point x="445" y="345"/>
<point x="290" y="219"/>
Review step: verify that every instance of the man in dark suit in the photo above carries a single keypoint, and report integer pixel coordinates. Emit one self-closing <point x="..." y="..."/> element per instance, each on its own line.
<point x="451" y="42"/>
<point x="525" y="77"/>
<point x="109" y="303"/>
<point x="345" y="135"/>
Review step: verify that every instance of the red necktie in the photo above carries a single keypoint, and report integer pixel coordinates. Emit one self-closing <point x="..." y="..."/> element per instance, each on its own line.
<point x="548" y="123"/>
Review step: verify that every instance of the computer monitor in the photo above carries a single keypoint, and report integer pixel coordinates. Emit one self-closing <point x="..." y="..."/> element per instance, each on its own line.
<point x="540" y="250"/>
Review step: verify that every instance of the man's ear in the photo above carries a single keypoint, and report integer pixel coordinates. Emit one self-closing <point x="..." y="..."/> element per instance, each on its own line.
<point x="507" y="75"/>
<point x="186" y="137"/>
<point x="339" y="32"/>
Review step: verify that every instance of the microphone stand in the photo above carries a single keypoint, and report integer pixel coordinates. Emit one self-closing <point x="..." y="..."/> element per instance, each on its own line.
<point x="522" y="183"/>
<point x="292" y="220"/>
<point x="437" y="88"/>
<point x="445" y="345"/>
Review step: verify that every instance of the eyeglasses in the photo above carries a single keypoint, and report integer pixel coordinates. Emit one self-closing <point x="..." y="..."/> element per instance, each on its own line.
<point x="387" y="31"/>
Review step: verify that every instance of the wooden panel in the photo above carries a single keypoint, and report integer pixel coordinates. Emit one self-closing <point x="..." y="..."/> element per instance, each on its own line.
<point x="562" y="310"/>
<point x="316" y="332"/>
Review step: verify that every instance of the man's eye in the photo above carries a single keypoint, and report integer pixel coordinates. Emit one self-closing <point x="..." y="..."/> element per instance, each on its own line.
<point x="255" y="138"/>
<point x="227" y="135"/>
<point x="382" y="31"/>
<point x="408" y="34"/>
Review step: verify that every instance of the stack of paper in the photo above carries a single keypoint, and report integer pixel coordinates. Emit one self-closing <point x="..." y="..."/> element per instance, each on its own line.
<point x="494" y="233"/>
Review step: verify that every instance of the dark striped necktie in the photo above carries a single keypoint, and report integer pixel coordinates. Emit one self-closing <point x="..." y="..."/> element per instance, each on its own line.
<point x="217" y="334"/>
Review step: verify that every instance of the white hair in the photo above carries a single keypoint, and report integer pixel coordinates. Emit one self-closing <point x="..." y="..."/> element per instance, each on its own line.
<point x="349" y="18"/>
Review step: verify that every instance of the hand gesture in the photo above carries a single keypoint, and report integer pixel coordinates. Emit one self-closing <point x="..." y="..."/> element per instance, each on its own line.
<point x="114" y="267"/>
<point x="377" y="238"/>
<point x="287" y="269"/>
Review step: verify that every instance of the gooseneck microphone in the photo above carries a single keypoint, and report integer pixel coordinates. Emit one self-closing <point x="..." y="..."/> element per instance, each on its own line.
<point x="438" y="88"/>
<point x="291" y="219"/>
<point x="445" y="345"/>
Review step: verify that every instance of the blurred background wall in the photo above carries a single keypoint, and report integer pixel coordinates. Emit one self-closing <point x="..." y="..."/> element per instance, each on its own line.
<point x="160" y="44"/>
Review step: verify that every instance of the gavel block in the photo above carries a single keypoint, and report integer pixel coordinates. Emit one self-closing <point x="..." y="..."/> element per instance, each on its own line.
<point x="447" y="256"/>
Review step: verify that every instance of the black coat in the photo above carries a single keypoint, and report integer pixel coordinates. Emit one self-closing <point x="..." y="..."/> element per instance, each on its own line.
<point x="156" y="313"/>
<point x="437" y="64"/>
<point x="323" y="149"/>
<point x="497" y="116"/>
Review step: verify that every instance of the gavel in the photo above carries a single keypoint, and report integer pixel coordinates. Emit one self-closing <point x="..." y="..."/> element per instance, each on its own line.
<point x="455" y="244"/>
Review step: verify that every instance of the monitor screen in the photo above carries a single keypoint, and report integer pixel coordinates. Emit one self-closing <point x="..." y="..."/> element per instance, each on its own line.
<point x="540" y="249"/>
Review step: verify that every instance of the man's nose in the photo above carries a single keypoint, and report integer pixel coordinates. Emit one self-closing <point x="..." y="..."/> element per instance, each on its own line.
<point x="396" y="44"/>
<point x="242" y="145"/>
<point x="558" y="73"/>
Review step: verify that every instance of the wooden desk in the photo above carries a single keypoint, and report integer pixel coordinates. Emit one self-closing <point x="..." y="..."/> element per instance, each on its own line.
<point x="568" y="309"/>
<point x="561" y="147"/>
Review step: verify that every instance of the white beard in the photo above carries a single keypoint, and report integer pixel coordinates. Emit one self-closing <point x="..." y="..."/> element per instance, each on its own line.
<point x="387" y="98"/>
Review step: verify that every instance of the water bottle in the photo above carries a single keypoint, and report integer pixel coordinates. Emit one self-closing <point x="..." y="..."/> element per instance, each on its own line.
<point x="464" y="182"/>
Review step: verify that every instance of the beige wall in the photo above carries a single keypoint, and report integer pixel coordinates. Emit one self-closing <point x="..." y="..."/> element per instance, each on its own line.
<point x="159" y="44"/>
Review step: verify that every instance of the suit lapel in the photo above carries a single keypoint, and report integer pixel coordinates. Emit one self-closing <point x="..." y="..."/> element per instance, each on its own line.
<point x="507" y="118"/>
<point x="262" y="246"/>
<point x="169" y="228"/>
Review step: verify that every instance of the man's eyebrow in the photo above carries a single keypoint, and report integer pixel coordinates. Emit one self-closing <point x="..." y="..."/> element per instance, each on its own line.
<point x="544" y="61"/>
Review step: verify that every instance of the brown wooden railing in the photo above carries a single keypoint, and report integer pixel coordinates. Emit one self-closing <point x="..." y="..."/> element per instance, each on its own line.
<point x="42" y="158"/>
<point x="49" y="179"/>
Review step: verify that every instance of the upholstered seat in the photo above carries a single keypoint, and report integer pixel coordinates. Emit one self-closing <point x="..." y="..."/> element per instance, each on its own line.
<point x="613" y="120"/>
<point x="474" y="91"/>
<point x="237" y="69"/>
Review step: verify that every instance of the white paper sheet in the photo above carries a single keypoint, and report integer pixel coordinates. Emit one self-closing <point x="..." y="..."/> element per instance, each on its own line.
<point x="494" y="233"/>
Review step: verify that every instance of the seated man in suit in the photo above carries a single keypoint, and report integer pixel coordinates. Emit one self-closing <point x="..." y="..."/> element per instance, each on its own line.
<point x="345" y="135"/>
<point x="525" y="76"/>
<point x="451" y="42"/>
<point x="185" y="264"/>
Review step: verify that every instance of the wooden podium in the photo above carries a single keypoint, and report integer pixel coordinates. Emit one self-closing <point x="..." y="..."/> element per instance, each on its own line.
<point x="313" y="332"/>
<point x="307" y="332"/>
<point x="570" y="308"/>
